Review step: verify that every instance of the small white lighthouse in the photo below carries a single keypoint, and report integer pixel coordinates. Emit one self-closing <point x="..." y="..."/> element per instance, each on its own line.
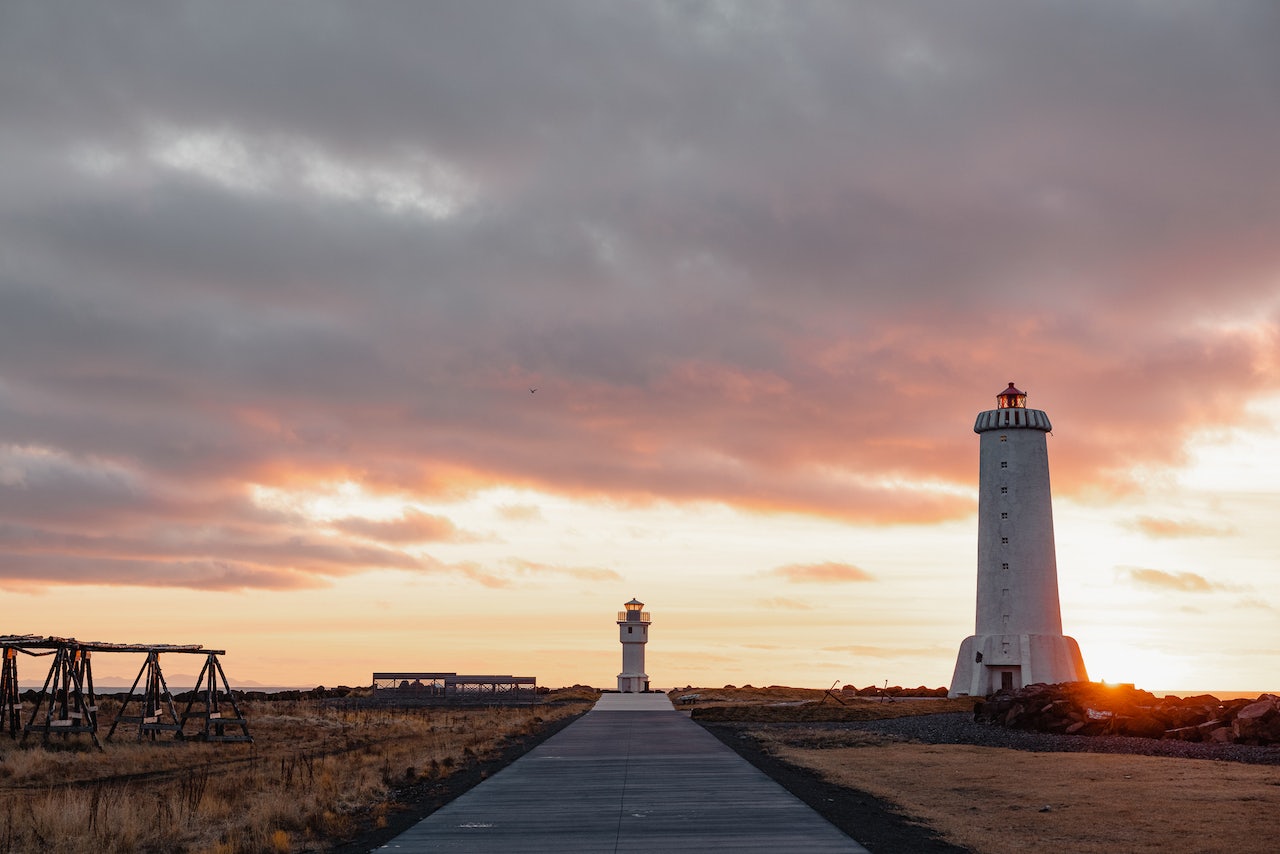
<point x="1018" y="637"/>
<point x="633" y="631"/>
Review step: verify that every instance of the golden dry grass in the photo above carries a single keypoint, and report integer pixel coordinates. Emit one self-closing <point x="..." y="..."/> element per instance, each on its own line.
<point x="991" y="800"/>
<point x="315" y="771"/>
<point x="778" y="704"/>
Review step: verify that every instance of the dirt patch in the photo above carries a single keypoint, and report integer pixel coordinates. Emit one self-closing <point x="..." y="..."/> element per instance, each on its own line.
<point x="875" y="822"/>
<point x="886" y="790"/>
<point x="999" y="801"/>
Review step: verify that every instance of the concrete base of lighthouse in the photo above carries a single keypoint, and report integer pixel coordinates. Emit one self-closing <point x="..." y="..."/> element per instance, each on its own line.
<point x="989" y="663"/>
<point x="633" y="683"/>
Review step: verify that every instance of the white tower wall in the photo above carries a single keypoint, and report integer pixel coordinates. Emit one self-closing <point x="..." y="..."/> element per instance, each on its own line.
<point x="1018" y="637"/>
<point x="1017" y="559"/>
<point x="633" y="632"/>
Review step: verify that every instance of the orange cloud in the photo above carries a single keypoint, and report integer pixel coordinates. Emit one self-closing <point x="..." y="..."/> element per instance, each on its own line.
<point x="413" y="526"/>
<point x="1184" y="582"/>
<point x="1160" y="527"/>
<point x="585" y="573"/>
<point x="824" y="573"/>
<point x="520" y="512"/>
<point x="785" y="604"/>
<point x="866" y="651"/>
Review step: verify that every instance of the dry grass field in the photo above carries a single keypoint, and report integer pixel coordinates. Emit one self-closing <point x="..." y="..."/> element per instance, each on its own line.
<point x="993" y="800"/>
<point x="803" y="705"/>
<point x="317" y="773"/>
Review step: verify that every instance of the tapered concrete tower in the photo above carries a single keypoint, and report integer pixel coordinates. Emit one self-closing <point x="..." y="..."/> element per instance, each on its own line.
<point x="1018" y="638"/>
<point x="633" y="631"/>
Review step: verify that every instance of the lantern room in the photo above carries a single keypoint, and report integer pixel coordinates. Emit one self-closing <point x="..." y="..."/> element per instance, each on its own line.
<point x="1011" y="398"/>
<point x="634" y="612"/>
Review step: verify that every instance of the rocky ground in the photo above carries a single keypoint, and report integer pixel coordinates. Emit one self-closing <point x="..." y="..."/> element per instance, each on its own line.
<point x="960" y="728"/>
<point x="1098" y="709"/>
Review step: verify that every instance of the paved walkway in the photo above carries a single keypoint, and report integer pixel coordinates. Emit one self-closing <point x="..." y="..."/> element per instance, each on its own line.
<point x="632" y="775"/>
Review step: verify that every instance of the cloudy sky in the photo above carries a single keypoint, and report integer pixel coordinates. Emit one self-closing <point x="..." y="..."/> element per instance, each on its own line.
<point x="277" y="280"/>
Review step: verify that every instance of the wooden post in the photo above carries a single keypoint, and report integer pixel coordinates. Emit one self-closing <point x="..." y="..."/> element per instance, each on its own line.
<point x="155" y="698"/>
<point x="68" y="689"/>
<point x="10" y="702"/>
<point x="215" y="724"/>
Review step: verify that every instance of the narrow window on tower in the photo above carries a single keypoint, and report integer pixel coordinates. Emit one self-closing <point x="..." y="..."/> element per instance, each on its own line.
<point x="1003" y="464"/>
<point x="630" y="629"/>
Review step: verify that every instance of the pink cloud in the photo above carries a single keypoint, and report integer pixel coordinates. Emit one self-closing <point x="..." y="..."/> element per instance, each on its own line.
<point x="823" y="573"/>
<point x="413" y="526"/>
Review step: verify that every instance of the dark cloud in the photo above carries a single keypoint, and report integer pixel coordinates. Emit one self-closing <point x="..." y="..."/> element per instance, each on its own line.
<point x="774" y="255"/>
<point x="21" y="570"/>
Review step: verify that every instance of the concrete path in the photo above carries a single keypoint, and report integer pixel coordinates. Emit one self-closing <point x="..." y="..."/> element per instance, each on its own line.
<point x="633" y="774"/>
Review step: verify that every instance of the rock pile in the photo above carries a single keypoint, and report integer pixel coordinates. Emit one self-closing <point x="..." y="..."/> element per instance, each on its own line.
<point x="1093" y="708"/>
<point x="892" y="691"/>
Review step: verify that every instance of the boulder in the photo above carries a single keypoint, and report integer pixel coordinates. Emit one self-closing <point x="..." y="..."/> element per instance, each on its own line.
<point x="1209" y="726"/>
<point x="1185" y="733"/>
<point x="1251" y="723"/>
<point x="1087" y="708"/>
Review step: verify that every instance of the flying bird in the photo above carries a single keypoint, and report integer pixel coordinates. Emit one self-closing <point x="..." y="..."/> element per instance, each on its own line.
<point x="533" y="391"/>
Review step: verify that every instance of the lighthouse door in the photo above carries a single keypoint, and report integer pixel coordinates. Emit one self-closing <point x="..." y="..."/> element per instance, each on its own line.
<point x="1003" y="679"/>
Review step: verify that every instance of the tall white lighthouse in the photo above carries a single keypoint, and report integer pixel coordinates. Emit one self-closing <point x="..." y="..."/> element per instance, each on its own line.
<point x="1018" y="638"/>
<point x="633" y="631"/>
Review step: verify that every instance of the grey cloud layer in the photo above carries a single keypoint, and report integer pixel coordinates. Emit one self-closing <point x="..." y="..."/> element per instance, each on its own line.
<point x="772" y="254"/>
